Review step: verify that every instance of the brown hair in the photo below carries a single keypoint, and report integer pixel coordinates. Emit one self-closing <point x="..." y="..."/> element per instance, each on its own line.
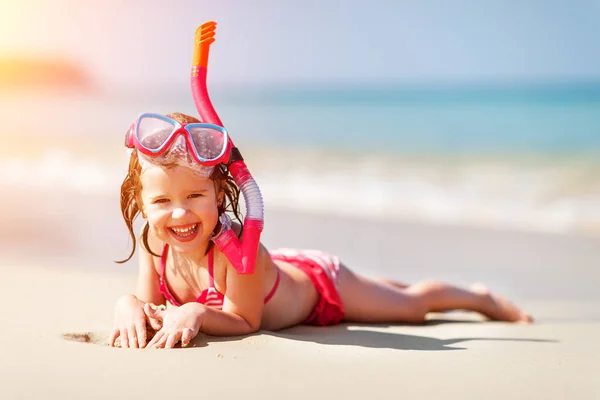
<point x="131" y="189"/>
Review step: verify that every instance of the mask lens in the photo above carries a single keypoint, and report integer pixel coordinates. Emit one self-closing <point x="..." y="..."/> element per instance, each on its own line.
<point x="153" y="132"/>
<point x="210" y="142"/>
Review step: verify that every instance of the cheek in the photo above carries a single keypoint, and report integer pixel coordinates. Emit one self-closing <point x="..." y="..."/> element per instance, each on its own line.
<point x="210" y="212"/>
<point x="156" y="218"/>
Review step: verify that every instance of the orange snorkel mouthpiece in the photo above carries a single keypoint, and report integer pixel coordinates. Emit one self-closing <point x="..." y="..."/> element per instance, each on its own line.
<point x="205" y="36"/>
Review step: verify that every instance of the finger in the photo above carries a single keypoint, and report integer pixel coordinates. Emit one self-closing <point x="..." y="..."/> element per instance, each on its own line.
<point x="186" y="337"/>
<point x="124" y="342"/>
<point x="113" y="337"/>
<point x="155" y="324"/>
<point x="173" y="339"/>
<point x="153" y="313"/>
<point x="140" y="328"/>
<point x="132" y="337"/>
<point x="156" y="338"/>
<point x="160" y="343"/>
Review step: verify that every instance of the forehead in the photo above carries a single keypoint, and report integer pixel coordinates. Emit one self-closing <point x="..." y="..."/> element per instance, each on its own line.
<point x="176" y="178"/>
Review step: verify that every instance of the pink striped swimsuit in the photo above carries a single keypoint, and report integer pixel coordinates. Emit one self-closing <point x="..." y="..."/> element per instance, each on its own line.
<point x="210" y="296"/>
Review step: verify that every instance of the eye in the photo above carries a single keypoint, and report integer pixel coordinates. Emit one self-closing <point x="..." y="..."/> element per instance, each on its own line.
<point x="160" y="201"/>
<point x="195" y="195"/>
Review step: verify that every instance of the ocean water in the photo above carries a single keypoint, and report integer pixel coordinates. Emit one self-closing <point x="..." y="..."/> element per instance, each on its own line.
<point x="521" y="157"/>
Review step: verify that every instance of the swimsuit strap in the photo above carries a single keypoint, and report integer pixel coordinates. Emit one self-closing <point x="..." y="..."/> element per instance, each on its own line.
<point x="163" y="265"/>
<point x="163" y="284"/>
<point x="169" y="296"/>
<point x="163" y="261"/>
<point x="275" y="286"/>
<point x="211" y="259"/>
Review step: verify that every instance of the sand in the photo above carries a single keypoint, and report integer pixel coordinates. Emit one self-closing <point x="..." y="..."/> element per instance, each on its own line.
<point x="57" y="279"/>
<point x="453" y="356"/>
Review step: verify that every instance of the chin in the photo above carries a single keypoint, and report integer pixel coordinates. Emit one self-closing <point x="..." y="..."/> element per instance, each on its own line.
<point x="192" y="247"/>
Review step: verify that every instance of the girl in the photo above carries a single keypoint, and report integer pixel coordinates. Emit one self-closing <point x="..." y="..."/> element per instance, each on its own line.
<point x="179" y="266"/>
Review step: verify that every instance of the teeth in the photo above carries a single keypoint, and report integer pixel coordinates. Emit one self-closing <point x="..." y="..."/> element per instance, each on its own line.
<point x="185" y="231"/>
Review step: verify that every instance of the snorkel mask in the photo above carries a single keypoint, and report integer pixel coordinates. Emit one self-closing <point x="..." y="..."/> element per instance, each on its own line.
<point x="202" y="146"/>
<point x="161" y="140"/>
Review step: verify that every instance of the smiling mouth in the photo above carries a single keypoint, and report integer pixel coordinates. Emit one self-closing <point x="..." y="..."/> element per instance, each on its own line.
<point x="184" y="232"/>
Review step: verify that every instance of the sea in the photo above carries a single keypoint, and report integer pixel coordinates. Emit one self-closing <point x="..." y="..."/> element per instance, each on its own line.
<point x="503" y="156"/>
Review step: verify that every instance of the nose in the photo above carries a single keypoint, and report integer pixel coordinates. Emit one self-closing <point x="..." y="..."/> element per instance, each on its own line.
<point x="178" y="213"/>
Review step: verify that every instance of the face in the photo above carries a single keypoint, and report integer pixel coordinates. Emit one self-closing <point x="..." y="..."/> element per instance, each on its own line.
<point x="181" y="207"/>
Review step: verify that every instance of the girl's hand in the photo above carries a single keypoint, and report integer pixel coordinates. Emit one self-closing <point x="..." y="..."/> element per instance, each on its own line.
<point x="178" y="324"/>
<point x="130" y="323"/>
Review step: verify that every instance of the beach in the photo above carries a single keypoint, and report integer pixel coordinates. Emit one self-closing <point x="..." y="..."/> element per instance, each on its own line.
<point x="60" y="286"/>
<point x="523" y="221"/>
<point x="415" y="141"/>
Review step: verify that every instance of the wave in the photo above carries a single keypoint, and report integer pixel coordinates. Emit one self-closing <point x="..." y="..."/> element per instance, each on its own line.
<point x="558" y="196"/>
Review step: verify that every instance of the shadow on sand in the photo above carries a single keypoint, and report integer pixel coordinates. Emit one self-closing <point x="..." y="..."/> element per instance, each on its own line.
<point x="361" y="335"/>
<point x="369" y="336"/>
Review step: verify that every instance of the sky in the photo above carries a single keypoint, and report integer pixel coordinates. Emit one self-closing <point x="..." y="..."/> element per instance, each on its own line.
<point x="269" y="42"/>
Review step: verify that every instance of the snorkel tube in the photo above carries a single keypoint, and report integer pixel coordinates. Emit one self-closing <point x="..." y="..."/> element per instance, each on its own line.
<point x="241" y="255"/>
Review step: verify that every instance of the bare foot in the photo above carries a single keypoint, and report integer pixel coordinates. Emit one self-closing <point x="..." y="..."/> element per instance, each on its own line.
<point x="498" y="308"/>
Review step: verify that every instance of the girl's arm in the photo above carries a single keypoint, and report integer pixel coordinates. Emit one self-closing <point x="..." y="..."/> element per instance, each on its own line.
<point x="241" y="314"/>
<point x="244" y="302"/>
<point x="148" y="286"/>
<point x="130" y="319"/>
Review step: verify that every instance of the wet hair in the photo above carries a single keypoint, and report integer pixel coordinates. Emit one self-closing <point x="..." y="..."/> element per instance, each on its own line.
<point x="131" y="190"/>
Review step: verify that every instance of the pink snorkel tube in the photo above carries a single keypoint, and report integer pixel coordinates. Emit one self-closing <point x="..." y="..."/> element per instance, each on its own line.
<point x="241" y="255"/>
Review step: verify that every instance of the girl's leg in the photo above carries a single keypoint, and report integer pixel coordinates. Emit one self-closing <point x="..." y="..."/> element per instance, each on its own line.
<point x="394" y="283"/>
<point x="368" y="300"/>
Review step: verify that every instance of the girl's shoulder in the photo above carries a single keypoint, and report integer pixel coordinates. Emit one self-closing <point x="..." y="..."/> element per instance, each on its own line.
<point x="263" y="259"/>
